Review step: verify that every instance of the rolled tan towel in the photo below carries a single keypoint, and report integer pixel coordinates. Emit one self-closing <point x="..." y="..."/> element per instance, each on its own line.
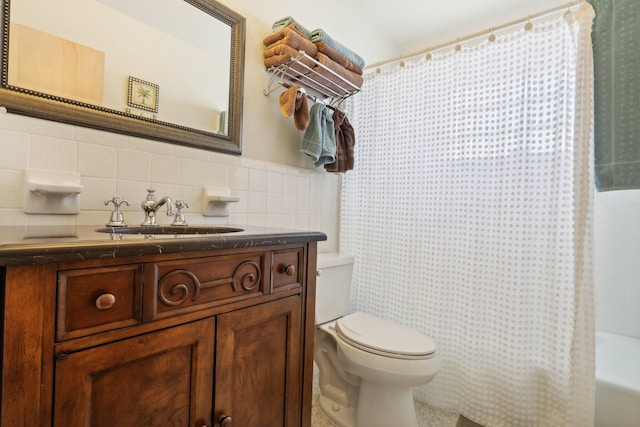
<point x="338" y="57"/>
<point x="298" y="29"/>
<point x="282" y="54"/>
<point x="289" y="21"/>
<point x="292" y="39"/>
<point x="331" y="81"/>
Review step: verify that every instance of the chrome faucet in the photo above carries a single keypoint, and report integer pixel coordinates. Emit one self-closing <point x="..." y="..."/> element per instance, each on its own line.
<point x="150" y="206"/>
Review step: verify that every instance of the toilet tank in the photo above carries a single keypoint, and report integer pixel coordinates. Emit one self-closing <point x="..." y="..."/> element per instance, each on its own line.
<point x="333" y="286"/>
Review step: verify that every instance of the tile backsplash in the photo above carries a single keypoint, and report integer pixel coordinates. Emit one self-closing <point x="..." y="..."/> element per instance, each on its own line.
<point x="110" y="164"/>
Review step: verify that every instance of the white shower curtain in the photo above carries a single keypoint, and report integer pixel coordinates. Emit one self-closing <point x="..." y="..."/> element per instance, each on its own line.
<point x="469" y="213"/>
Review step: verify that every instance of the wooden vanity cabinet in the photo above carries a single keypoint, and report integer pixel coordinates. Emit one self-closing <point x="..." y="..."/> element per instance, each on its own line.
<point x="164" y="340"/>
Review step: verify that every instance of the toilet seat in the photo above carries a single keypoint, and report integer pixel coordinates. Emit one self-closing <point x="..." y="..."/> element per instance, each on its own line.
<point x="385" y="338"/>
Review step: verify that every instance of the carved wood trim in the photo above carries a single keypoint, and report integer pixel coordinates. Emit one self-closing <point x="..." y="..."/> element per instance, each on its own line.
<point x="247" y="274"/>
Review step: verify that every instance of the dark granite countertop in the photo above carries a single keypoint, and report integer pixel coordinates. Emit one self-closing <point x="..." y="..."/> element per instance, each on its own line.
<point x="42" y="244"/>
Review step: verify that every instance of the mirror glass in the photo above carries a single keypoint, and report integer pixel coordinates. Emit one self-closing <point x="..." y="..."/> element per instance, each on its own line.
<point x="164" y="69"/>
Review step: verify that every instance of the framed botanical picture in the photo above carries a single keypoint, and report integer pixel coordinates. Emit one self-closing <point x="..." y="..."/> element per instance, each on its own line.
<point x="143" y="95"/>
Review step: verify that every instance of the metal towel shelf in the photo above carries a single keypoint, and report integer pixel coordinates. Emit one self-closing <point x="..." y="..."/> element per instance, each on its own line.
<point x="335" y="89"/>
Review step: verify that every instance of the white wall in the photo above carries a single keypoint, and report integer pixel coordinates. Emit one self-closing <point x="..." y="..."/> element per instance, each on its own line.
<point x="617" y="262"/>
<point x="278" y="186"/>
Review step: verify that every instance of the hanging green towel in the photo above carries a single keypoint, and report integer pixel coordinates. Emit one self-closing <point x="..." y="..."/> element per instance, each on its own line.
<point x="319" y="141"/>
<point x="616" y="47"/>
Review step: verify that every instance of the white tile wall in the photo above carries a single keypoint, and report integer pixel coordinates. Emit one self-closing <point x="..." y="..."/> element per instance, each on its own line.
<point x="111" y="164"/>
<point x="617" y="262"/>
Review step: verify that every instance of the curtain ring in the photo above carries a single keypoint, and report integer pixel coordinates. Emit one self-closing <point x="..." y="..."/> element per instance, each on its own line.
<point x="568" y="12"/>
<point x="458" y="47"/>
<point x="528" y="26"/>
<point x="492" y="36"/>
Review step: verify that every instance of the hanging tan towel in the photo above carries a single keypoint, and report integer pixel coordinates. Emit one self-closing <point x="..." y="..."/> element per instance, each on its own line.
<point x="294" y="101"/>
<point x="288" y="100"/>
<point x="338" y="57"/>
<point x="290" y="38"/>
<point x="301" y="112"/>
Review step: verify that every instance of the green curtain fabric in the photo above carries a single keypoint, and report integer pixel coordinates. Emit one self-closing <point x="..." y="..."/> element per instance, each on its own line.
<point x="616" y="46"/>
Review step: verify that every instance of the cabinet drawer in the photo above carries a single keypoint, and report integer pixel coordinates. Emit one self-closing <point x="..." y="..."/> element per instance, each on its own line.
<point x="95" y="300"/>
<point x="287" y="269"/>
<point x="183" y="286"/>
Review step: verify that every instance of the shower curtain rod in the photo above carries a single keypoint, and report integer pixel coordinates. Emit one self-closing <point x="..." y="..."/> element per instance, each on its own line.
<point x="491" y="30"/>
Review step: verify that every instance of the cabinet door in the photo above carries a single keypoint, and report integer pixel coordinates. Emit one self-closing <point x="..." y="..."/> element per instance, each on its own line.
<point x="161" y="379"/>
<point x="258" y="365"/>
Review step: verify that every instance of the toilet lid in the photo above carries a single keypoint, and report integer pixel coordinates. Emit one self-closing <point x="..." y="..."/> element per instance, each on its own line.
<point x="383" y="337"/>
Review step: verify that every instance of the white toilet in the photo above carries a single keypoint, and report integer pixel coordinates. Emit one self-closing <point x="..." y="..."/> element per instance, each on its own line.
<point x="367" y="365"/>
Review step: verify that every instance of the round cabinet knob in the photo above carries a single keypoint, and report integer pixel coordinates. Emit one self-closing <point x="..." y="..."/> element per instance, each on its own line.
<point x="318" y="272"/>
<point x="105" y="301"/>
<point x="225" y="421"/>
<point x="290" y="270"/>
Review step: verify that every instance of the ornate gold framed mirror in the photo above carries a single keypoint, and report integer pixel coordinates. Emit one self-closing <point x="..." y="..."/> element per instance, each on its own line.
<point x="169" y="70"/>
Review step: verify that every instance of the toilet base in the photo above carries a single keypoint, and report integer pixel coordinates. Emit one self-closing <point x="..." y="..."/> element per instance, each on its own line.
<point x="379" y="405"/>
<point x="384" y="405"/>
<point x="338" y="414"/>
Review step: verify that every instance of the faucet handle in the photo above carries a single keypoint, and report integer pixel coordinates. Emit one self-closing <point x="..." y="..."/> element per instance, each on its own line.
<point x="179" y="218"/>
<point x="151" y="194"/>
<point x="181" y="204"/>
<point x="117" y="201"/>
<point x="117" y="217"/>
